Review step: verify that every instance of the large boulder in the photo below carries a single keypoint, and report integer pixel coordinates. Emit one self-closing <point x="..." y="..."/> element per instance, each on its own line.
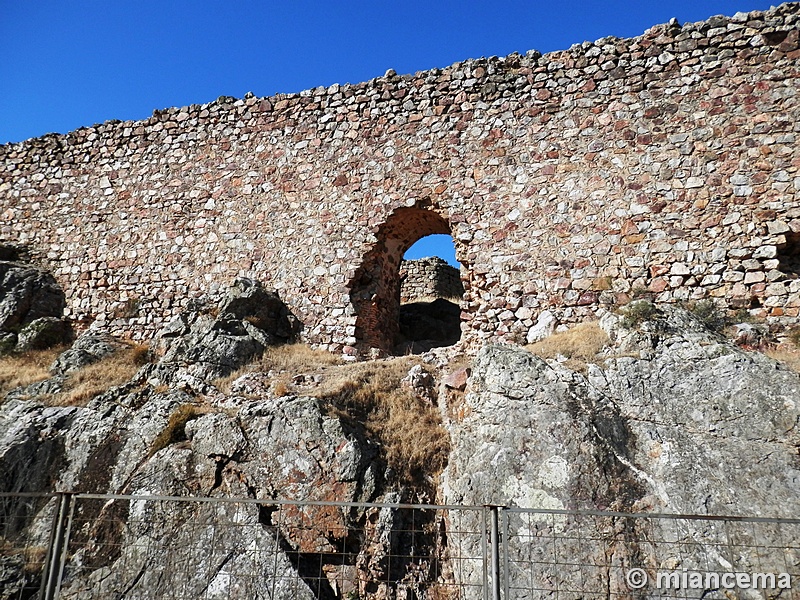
<point x="89" y="348"/>
<point x="31" y="306"/>
<point x="143" y="441"/>
<point x="212" y="342"/>
<point x="676" y="419"/>
<point x="42" y="333"/>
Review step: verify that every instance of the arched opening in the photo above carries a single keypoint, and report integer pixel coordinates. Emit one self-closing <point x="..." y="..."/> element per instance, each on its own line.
<point x="375" y="289"/>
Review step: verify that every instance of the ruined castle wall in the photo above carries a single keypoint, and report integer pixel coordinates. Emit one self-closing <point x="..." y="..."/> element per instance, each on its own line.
<point x="429" y="277"/>
<point x="665" y="164"/>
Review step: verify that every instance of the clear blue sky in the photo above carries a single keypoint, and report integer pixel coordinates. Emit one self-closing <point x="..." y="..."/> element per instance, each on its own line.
<point x="70" y="63"/>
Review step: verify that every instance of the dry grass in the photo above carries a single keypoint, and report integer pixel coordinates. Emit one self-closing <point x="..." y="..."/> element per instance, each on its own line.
<point x="80" y="387"/>
<point x="412" y="439"/>
<point x="296" y="358"/>
<point x="790" y="358"/>
<point x="98" y="377"/>
<point x="580" y="345"/>
<point x="24" y="369"/>
<point x="370" y="396"/>
<point x="175" y="431"/>
<point x="289" y="358"/>
<point x="32" y="557"/>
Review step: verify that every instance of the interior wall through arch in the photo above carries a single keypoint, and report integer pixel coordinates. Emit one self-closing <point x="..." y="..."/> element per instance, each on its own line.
<point x="375" y="288"/>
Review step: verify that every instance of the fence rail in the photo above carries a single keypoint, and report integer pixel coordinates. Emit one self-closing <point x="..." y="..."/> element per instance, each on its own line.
<point x="97" y="546"/>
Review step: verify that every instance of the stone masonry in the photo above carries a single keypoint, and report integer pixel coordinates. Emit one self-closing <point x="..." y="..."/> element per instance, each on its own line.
<point x="665" y="164"/>
<point x="429" y="277"/>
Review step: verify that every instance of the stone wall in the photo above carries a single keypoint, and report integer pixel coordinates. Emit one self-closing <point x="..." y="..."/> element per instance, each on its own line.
<point x="665" y="164"/>
<point x="429" y="277"/>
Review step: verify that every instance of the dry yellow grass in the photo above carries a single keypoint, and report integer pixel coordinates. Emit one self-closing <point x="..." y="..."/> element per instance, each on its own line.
<point x="296" y="358"/>
<point x="369" y="395"/>
<point x="289" y="358"/>
<point x="791" y="358"/>
<point x="580" y="345"/>
<point x="25" y="369"/>
<point x="409" y="430"/>
<point x="81" y="386"/>
<point x="175" y="431"/>
<point x="98" y="377"/>
<point x="33" y="557"/>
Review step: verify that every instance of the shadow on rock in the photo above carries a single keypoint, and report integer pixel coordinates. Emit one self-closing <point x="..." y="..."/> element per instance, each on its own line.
<point x="213" y="342"/>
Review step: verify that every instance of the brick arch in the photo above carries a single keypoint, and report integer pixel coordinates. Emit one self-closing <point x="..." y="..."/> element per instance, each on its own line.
<point x="375" y="287"/>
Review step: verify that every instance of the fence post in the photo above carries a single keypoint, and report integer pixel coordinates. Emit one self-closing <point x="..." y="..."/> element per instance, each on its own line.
<point x="495" y="556"/>
<point x="504" y="540"/>
<point x="56" y="550"/>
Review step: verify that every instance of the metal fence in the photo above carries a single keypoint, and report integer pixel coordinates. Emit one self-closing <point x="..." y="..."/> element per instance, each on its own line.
<point x="90" y="546"/>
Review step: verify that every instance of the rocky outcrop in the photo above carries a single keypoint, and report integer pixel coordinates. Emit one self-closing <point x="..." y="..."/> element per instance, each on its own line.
<point x="31" y="305"/>
<point x="210" y="342"/>
<point x="671" y="418"/>
<point x="674" y="420"/>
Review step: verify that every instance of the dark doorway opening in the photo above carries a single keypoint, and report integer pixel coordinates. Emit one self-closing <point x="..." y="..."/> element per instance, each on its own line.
<point x="789" y="256"/>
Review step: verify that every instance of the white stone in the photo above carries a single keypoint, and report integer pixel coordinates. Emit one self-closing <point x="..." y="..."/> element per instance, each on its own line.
<point x="545" y="325"/>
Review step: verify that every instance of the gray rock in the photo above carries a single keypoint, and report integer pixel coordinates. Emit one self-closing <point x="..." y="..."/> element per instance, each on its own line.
<point x="26" y="294"/>
<point x="87" y="349"/>
<point x="213" y="343"/>
<point x="42" y="333"/>
<point x="231" y="549"/>
<point x="14" y="581"/>
<point x="248" y="300"/>
<point x="681" y="421"/>
<point x="673" y="419"/>
<point x="8" y="341"/>
<point x="130" y="440"/>
<point x="38" y="389"/>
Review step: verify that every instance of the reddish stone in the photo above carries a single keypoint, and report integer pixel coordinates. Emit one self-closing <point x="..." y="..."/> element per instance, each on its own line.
<point x="457" y="380"/>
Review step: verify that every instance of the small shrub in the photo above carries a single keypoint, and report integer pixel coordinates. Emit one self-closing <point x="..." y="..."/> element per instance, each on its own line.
<point x="175" y="431"/>
<point x="580" y="345"/>
<point x="140" y="354"/>
<point x="636" y="312"/>
<point x="708" y="313"/>
<point x="280" y="388"/>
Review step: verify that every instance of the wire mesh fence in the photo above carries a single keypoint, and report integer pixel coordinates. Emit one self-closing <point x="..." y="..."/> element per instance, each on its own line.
<point x="88" y="546"/>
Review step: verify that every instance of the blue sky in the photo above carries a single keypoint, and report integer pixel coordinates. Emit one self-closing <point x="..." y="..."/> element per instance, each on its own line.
<point x="72" y="63"/>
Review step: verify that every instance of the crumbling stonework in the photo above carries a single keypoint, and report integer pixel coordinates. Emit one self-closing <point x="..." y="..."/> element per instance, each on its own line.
<point x="666" y="163"/>
<point x="429" y="277"/>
